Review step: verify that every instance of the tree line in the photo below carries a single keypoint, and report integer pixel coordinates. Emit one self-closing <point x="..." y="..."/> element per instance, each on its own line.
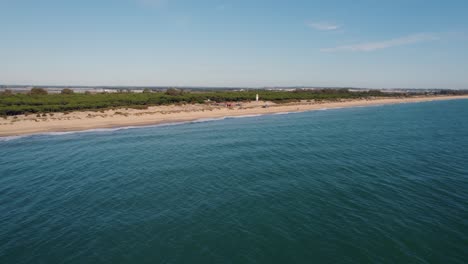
<point x="37" y="100"/>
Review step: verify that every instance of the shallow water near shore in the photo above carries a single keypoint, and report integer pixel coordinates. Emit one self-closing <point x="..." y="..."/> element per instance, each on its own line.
<point x="381" y="184"/>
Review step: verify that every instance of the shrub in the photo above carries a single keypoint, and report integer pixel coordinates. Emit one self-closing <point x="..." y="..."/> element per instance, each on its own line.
<point x="7" y="92"/>
<point x="174" y="91"/>
<point x="38" y="91"/>
<point x="67" y="91"/>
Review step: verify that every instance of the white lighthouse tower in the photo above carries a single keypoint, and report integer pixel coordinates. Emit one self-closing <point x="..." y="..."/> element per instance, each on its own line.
<point x="256" y="98"/>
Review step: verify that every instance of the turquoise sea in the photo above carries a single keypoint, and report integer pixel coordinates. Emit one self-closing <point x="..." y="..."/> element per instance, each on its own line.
<point x="383" y="184"/>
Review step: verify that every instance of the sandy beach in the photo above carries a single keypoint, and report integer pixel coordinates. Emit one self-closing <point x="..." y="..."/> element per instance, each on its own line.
<point x="76" y="121"/>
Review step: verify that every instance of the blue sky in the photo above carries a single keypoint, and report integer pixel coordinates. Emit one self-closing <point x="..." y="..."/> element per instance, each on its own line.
<point x="360" y="43"/>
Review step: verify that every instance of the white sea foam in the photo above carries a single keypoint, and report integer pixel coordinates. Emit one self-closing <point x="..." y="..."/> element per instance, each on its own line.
<point x="8" y="138"/>
<point x="202" y="120"/>
<point x="113" y="129"/>
<point x="284" y="113"/>
<point x="242" y="116"/>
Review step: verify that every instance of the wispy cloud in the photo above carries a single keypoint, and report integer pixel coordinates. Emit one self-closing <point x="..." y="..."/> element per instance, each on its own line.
<point x="371" y="46"/>
<point x="323" y="26"/>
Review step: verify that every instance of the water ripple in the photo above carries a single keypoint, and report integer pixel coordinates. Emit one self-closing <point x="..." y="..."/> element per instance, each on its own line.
<point x="384" y="184"/>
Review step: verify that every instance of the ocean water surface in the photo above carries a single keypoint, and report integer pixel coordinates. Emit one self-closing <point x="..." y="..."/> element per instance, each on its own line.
<point x="386" y="184"/>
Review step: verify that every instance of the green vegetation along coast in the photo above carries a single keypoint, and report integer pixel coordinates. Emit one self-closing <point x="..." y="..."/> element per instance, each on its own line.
<point x="39" y="101"/>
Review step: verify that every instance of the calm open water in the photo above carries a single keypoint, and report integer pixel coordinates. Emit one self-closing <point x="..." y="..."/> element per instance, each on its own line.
<point x="384" y="184"/>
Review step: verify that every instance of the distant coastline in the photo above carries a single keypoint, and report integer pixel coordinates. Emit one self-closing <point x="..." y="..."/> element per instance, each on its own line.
<point x="86" y="120"/>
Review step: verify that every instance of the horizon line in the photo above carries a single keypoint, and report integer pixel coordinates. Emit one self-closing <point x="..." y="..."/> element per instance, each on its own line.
<point x="228" y="87"/>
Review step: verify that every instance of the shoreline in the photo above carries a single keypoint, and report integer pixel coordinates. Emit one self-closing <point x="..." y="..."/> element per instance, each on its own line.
<point x="24" y="125"/>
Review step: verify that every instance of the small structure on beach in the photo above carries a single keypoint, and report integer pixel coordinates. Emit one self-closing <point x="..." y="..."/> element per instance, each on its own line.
<point x="256" y="98"/>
